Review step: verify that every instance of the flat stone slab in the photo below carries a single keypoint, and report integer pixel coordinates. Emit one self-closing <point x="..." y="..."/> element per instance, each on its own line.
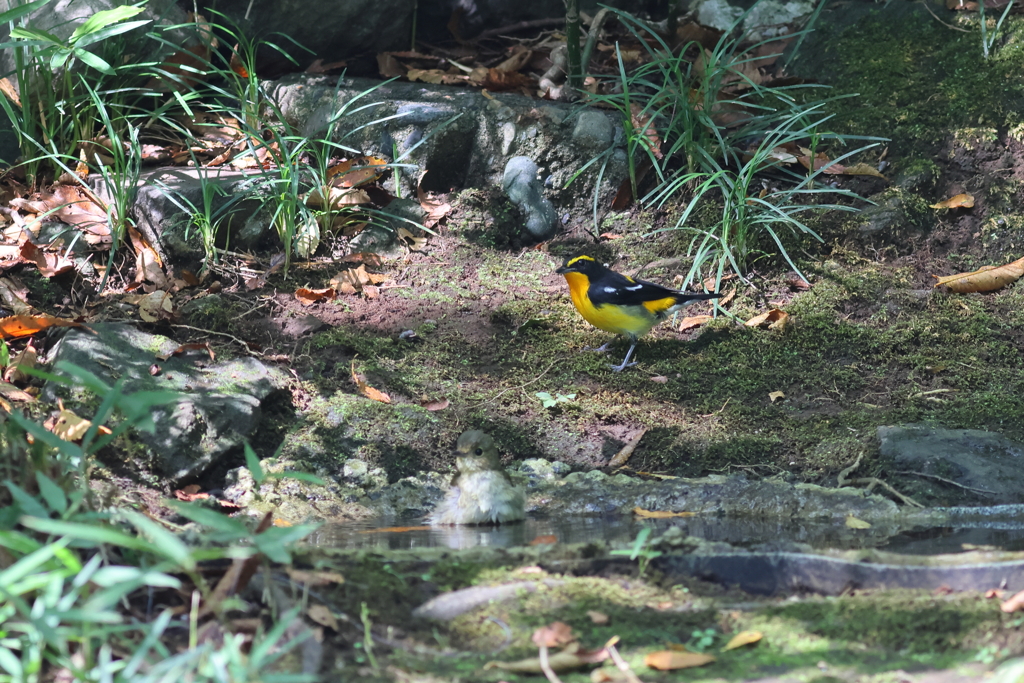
<point x="985" y="464"/>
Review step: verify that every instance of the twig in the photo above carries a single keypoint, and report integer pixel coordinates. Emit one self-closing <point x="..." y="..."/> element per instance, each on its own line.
<point x="521" y="386"/>
<point x="841" y="480"/>
<point x="520" y="26"/>
<point x="871" y="482"/>
<point x="944" y="481"/>
<point x="936" y="17"/>
<point x="508" y="634"/>
<point x="233" y="338"/>
<point x="545" y="666"/>
<point x="620" y="662"/>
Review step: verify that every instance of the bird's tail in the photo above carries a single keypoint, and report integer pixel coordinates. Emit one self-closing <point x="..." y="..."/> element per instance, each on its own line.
<point x="683" y="298"/>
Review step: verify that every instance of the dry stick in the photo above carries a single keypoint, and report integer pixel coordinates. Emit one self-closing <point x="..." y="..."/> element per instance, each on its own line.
<point x="521" y="386"/>
<point x="221" y="334"/>
<point x="944" y="481"/>
<point x="545" y="666"/>
<point x="871" y="483"/>
<point x="621" y="663"/>
<point x="936" y="17"/>
<point x="521" y="26"/>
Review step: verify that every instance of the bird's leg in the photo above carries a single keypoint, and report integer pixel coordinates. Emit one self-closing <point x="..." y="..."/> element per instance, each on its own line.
<point x="625" y="361"/>
<point x="603" y="348"/>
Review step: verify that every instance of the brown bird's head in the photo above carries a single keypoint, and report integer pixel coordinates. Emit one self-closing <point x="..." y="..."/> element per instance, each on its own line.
<point x="476" y="452"/>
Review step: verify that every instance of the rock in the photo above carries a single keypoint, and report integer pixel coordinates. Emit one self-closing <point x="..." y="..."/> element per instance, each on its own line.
<point x="720" y="14"/>
<point x="987" y="464"/>
<point x="461" y="138"/>
<point x="889" y="212"/>
<point x="383" y="238"/>
<point x="593" y="131"/>
<point x="525" y="189"/>
<point x="539" y="468"/>
<point x="220" y="402"/>
<point x="168" y="196"/>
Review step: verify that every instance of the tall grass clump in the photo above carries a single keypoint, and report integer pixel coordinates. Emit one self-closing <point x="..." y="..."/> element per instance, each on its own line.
<point x="706" y="130"/>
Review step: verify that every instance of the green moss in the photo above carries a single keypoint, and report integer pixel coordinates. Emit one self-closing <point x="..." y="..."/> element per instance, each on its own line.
<point x="915" y="78"/>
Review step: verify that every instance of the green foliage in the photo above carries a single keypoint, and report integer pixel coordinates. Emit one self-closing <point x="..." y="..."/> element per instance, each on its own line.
<point x="72" y="566"/>
<point x="642" y="551"/>
<point x="549" y="401"/>
<point x="706" y="113"/>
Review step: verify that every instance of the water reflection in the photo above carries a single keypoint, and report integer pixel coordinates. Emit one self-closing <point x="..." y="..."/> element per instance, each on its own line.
<point x="397" y="534"/>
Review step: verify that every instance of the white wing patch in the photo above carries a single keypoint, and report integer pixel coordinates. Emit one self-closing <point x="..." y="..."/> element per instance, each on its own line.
<point x="633" y="288"/>
<point x="610" y="290"/>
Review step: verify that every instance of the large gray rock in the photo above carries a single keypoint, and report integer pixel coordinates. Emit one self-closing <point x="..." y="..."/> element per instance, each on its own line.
<point x="984" y="464"/>
<point x="220" y="404"/>
<point x="459" y="137"/>
<point x="168" y="197"/>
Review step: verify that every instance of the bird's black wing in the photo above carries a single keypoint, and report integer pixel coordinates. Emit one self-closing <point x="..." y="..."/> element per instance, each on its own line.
<point x="619" y="290"/>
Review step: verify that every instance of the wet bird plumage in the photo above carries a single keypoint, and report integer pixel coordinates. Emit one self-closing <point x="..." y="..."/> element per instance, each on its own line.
<point x="482" y="492"/>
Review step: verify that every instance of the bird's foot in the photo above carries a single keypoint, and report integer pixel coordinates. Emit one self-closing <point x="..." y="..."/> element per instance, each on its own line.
<point x="603" y="348"/>
<point x="623" y="366"/>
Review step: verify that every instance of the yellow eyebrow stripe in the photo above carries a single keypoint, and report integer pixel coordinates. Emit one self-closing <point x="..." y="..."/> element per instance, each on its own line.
<point x="578" y="259"/>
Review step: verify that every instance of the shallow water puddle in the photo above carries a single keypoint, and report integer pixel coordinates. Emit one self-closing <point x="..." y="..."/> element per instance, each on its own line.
<point x="1003" y="532"/>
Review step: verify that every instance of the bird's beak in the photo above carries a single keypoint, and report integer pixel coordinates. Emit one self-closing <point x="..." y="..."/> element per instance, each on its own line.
<point x="565" y="269"/>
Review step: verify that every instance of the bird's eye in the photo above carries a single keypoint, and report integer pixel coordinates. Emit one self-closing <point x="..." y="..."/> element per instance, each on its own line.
<point x="479" y="451"/>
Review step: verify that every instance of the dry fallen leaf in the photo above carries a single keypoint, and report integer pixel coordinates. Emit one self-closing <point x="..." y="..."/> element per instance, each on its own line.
<point x="962" y="200"/>
<point x="666" y="660"/>
<point x="742" y="638"/>
<point x="323" y="616"/>
<point x="775" y="318"/>
<point x="158" y="305"/>
<point x="148" y="264"/>
<point x="1015" y="603"/>
<point x="660" y="514"/>
<point x="555" y="634"/>
<point x="49" y="265"/>
<point x="694" y="321"/>
<point x="23" y="360"/>
<point x="410" y="240"/>
<point x="855" y="523"/>
<point x="984" y="279"/>
<point x="9" y="391"/>
<point x="365" y="389"/>
<point x="775" y="396"/>
<point x="24" y="325"/>
<point x="597" y="617"/>
<point x="308" y="297"/>
<point x="70" y="427"/>
<point x="71" y="204"/>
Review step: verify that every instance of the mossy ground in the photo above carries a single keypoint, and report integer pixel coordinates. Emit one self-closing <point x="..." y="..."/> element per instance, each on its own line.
<point x="871" y="343"/>
<point x="862" y="636"/>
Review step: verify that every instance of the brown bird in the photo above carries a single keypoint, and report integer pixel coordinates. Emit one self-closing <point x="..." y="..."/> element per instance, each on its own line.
<point x="482" y="492"/>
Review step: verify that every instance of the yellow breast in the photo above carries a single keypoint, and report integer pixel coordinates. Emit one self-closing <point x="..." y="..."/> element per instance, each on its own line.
<point x="628" y="320"/>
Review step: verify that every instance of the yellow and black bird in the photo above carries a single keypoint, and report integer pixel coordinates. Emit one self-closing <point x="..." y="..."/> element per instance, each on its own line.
<point x="619" y="304"/>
